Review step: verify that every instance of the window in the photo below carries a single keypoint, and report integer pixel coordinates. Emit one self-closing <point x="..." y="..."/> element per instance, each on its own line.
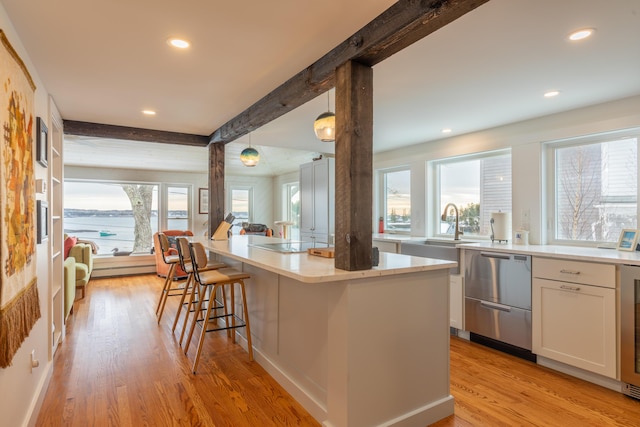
<point x="178" y="207"/>
<point x="477" y="185"/>
<point x="241" y="205"/>
<point x="115" y="215"/>
<point x="396" y="200"/>
<point x="291" y="208"/>
<point x="594" y="189"/>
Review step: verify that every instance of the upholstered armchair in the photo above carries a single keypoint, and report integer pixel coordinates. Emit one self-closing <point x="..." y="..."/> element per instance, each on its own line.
<point x="69" y="285"/>
<point x="78" y="265"/>
<point x="82" y="253"/>
<point x="256" y="229"/>
<point x="162" y="269"/>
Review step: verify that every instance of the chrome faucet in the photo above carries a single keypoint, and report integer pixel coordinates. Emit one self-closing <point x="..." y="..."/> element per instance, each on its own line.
<point x="457" y="232"/>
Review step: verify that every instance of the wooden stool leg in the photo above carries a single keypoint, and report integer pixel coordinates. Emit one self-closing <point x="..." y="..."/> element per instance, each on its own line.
<point x="166" y="286"/>
<point x="190" y="305"/>
<point x="232" y="332"/>
<point x="195" y="318"/>
<point x="205" y="322"/>
<point x="165" y="293"/>
<point x="224" y="306"/>
<point x="246" y="321"/>
<point x="182" y="298"/>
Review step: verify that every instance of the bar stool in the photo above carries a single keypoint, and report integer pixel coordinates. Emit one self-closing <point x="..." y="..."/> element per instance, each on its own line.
<point x="190" y="287"/>
<point x="214" y="279"/>
<point x="172" y="261"/>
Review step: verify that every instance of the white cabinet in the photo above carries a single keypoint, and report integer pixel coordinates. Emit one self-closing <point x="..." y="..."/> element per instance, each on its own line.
<point x="456" y="301"/>
<point x="574" y="314"/>
<point x="317" y="200"/>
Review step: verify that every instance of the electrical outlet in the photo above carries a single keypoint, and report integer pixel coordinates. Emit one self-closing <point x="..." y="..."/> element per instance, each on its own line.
<point x="525" y="219"/>
<point x="34" y="362"/>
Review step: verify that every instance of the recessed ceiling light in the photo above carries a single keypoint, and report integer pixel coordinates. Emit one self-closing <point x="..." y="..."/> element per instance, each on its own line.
<point x="551" y="93"/>
<point x="148" y="112"/>
<point x="581" y="34"/>
<point x="179" y="43"/>
<point x="446" y="130"/>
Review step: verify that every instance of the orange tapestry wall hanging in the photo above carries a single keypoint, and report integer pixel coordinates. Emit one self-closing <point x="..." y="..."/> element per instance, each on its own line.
<point x="19" y="302"/>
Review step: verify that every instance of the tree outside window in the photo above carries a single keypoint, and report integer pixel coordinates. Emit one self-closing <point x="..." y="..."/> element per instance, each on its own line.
<point x="596" y="190"/>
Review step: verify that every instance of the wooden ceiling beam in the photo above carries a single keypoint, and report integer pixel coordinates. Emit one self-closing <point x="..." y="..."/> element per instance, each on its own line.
<point x="404" y="23"/>
<point x="99" y="130"/>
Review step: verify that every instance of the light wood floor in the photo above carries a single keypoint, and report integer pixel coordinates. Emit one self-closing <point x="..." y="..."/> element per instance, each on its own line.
<point x="117" y="367"/>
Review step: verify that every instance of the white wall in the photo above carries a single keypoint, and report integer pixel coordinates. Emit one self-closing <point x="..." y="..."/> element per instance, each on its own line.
<point x="526" y="142"/>
<point x="20" y="386"/>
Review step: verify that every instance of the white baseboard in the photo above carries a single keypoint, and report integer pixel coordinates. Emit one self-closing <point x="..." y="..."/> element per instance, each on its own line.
<point x="38" y="397"/>
<point x="591" y="377"/>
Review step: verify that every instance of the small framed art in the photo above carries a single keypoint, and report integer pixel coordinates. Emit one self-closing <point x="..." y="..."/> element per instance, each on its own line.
<point x="42" y="208"/>
<point x="628" y="240"/>
<point x="203" y="200"/>
<point x="42" y="144"/>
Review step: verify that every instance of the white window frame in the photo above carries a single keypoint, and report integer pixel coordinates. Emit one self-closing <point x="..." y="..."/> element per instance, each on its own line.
<point x="163" y="204"/>
<point x="434" y="187"/>
<point x="382" y="198"/>
<point x="230" y="191"/>
<point x="550" y="174"/>
<point x="161" y="214"/>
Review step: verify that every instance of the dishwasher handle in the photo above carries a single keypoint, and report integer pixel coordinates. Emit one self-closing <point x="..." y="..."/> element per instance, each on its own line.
<point x="495" y="306"/>
<point x="495" y="255"/>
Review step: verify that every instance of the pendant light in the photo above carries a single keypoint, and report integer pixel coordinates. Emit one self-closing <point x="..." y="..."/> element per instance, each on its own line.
<point x="325" y="124"/>
<point x="250" y="156"/>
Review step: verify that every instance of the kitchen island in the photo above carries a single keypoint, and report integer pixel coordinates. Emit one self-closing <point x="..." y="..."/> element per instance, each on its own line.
<point x="355" y="348"/>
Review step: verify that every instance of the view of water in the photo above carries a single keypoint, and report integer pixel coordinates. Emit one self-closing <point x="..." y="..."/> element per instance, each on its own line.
<point x="119" y="228"/>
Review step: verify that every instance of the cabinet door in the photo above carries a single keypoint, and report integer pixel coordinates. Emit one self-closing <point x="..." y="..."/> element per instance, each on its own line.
<point x="456" y="301"/>
<point x="575" y="324"/>
<point x="306" y="198"/>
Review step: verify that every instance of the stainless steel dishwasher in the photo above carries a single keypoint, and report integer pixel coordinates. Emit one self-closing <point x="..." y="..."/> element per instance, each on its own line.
<point x="498" y="298"/>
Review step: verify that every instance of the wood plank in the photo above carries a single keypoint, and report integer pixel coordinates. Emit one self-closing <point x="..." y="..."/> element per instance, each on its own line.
<point x="404" y="23"/>
<point x="99" y="130"/>
<point x="354" y="166"/>
<point x="216" y="187"/>
<point x="147" y="380"/>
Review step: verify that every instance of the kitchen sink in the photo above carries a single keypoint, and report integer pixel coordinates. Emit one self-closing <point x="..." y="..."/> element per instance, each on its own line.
<point x="434" y="248"/>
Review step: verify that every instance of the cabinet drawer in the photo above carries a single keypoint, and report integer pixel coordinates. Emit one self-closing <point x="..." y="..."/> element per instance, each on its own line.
<point x="575" y="272"/>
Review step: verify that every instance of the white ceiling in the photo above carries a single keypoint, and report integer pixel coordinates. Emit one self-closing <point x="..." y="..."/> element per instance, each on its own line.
<point x="104" y="62"/>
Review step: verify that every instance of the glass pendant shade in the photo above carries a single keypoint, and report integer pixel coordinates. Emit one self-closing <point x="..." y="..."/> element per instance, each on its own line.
<point x="325" y="127"/>
<point x="250" y="157"/>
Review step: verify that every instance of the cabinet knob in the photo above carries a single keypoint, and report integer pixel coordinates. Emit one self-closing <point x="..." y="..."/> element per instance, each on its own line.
<point x="569" y="271"/>
<point x="569" y="288"/>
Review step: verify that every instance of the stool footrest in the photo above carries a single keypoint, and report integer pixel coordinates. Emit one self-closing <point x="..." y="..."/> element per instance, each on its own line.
<point x="241" y="323"/>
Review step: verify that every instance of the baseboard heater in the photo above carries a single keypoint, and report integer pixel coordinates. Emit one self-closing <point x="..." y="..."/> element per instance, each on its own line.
<point x="126" y="270"/>
<point x="513" y="350"/>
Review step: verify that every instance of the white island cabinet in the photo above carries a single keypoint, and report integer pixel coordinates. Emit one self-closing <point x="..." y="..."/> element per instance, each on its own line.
<point x="574" y="314"/>
<point x="355" y="348"/>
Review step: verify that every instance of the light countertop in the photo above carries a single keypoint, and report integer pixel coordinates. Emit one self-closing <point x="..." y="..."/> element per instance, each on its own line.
<point x="578" y="253"/>
<point x="314" y="269"/>
<point x="393" y="238"/>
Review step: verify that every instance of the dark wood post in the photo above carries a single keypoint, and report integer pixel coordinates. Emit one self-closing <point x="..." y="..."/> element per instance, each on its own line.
<point x="216" y="186"/>
<point x="354" y="166"/>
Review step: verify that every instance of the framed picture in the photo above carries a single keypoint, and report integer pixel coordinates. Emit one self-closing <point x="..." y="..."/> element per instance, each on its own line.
<point x="628" y="240"/>
<point x="42" y="208"/>
<point x="42" y="146"/>
<point x="203" y="200"/>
